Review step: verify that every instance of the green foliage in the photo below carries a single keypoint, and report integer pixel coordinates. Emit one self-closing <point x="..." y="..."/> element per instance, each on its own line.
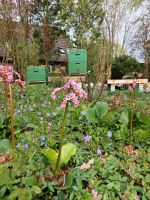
<point x="113" y="175"/>
<point x="96" y="111"/>
<point x="4" y="126"/>
<point x="123" y="65"/>
<point x="68" y="150"/>
<point x="5" y="146"/>
<point x="29" y="181"/>
<point x="26" y="54"/>
<point x="73" y="16"/>
<point x="68" y="182"/>
<point x="51" y="155"/>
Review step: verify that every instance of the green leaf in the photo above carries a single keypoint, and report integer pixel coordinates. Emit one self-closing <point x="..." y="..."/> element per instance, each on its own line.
<point x="68" y="150"/>
<point x="121" y="133"/>
<point x="101" y="109"/>
<point x="124" y="117"/>
<point x="25" y="194"/>
<point x="29" y="181"/>
<point x="51" y="155"/>
<point x="5" y="146"/>
<point x="14" y="194"/>
<point x="4" y="178"/>
<point x="50" y="187"/>
<point x="68" y="183"/>
<point x="90" y="114"/>
<point x="105" y="197"/>
<point x="36" y="190"/>
<point x="2" y="191"/>
<point x="2" y="118"/>
<point x="144" y="118"/>
<point x="142" y="135"/>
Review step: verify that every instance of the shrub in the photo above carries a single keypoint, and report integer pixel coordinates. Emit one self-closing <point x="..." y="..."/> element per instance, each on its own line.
<point x="124" y="64"/>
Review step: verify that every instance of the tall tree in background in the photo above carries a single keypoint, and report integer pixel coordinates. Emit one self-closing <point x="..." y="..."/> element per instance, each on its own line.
<point x="7" y="27"/>
<point x="24" y="8"/>
<point x="82" y="19"/>
<point x="46" y="30"/>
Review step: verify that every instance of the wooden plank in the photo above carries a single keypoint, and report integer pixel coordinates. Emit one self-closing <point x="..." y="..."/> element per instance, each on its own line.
<point x="127" y="81"/>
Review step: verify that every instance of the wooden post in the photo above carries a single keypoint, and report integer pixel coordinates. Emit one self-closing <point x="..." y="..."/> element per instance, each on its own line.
<point x="140" y="87"/>
<point x="112" y="88"/>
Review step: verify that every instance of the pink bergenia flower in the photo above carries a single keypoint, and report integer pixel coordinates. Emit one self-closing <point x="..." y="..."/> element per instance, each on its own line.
<point x="69" y="97"/>
<point x="75" y="93"/>
<point x="77" y="89"/>
<point x="53" y="94"/>
<point x="7" y="73"/>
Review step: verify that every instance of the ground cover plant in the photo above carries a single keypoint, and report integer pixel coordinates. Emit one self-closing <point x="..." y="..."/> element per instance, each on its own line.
<point x="106" y="159"/>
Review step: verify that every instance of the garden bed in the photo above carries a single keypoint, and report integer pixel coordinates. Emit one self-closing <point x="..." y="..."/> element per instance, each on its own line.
<point x="110" y="162"/>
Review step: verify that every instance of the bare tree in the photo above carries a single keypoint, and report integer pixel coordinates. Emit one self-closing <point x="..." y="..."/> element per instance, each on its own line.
<point x="141" y="38"/>
<point x="116" y="27"/>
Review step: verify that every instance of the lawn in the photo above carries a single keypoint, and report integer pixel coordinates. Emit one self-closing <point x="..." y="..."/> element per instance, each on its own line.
<point x="102" y="157"/>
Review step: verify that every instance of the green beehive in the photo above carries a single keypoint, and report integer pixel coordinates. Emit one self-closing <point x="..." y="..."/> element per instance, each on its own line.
<point x="37" y="74"/>
<point x="77" y="61"/>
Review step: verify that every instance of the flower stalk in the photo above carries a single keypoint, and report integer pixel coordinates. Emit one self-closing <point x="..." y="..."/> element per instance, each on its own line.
<point x="12" y="117"/>
<point x="62" y="133"/>
<point x="73" y="95"/>
<point x="6" y="106"/>
<point x="132" y="109"/>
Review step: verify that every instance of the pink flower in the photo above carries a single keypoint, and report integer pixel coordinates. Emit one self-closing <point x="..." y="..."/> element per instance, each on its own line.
<point x="75" y="93"/>
<point x="77" y="89"/>
<point x="133" y="85"/>
<point x="7" y="73"/>
<point x="53" y="94"/>
<point x="69" y="97"/>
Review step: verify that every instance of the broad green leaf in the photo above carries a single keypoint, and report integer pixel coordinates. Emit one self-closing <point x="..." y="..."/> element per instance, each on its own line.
<point x="142" y="135"/>
<point x="36" y="190"/>
<point x="105" y="197"/>
<point x="144" y="118"/>
<point x="51" y="155"/>
<point x="2" y="191"/>
<point x="14" y="194"/>
<point x="121" y="134"/>
<point x="25" y="194"/>
<point x="29" y="181"/>
<point x="68" y="150"/>
<point x="5" y="146"/>
<point x="109" y="117"/>
<point x="90" y="114"/>
<point x="68" y="183"/>
<point x="4" y="178"/>
<point x="50" y="187"/>
<point x="101" y="109"/>
<point x="124" y="117"/>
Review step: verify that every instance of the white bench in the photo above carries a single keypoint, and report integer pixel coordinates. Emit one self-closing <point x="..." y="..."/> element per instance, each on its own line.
<point x="140" y="83"/>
